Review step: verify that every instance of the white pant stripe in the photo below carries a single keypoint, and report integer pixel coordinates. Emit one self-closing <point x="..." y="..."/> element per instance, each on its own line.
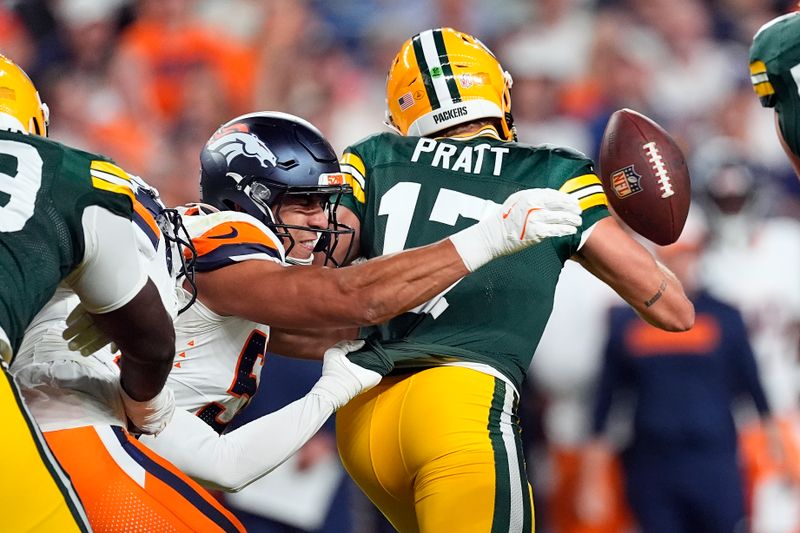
<point x="516" y="511"/>
<point x="128" y="465"/>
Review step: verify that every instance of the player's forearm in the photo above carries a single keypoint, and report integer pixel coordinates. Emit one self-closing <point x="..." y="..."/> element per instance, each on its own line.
<point x="665" y="306"/>
<point x="358" y="295"/>
<point x="143" y="331"/>
<point x="387" y="286"/>
<point x="232" y="461"/>
<point x="628" y="268"/>
<point x="308" y="343"/>
<point x="302" y="297"/>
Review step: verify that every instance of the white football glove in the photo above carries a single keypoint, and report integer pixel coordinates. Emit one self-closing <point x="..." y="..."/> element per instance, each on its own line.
<point x="151" y="416"/>
<point x="83" y="334"/>
<point x="342" y="380"/>
<point x="526" y="218"/>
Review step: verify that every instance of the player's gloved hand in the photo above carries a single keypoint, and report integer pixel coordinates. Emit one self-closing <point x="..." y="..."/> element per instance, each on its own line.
<point x="83" y="334"/>
<point x="526" y="218"/>
<point x="342" y="380"/>
<point x="149" y="417"/>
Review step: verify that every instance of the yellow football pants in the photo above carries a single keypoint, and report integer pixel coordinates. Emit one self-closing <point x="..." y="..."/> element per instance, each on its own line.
<point x="35" y="494"/>
<point x="439" y="450"/>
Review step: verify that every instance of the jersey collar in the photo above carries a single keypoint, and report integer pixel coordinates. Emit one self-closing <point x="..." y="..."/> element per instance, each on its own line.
<point x="486" y="131"/>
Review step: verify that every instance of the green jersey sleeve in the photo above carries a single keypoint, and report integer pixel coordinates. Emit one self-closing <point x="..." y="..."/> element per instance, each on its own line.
<point x="775" y="73"/>
<point x="572" y="173"/>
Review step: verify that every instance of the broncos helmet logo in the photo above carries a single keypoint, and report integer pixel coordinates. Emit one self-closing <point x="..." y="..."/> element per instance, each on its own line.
<point x="237" y="143"/>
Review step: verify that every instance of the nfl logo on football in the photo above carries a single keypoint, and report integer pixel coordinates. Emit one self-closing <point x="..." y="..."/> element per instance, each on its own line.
<point x="626" y="182"/>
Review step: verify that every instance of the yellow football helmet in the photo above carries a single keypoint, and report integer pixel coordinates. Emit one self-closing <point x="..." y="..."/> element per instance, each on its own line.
<point x="442" y="78"/>
<point x="20" y="99"/>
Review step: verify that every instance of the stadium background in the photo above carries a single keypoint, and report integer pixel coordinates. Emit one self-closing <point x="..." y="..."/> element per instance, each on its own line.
<point x="147" y="81"/>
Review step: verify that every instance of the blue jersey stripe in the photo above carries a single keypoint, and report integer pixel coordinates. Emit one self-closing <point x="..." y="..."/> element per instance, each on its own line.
<point x="223" y="255"/>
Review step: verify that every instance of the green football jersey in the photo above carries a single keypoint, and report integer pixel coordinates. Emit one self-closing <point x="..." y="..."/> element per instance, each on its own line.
<point x="775" y="73"/>
<point x="413" y="191"/>
<point x="44" y="188"/>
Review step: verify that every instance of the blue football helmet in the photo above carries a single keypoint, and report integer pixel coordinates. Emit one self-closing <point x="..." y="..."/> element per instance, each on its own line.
<point x="255" y="161"/>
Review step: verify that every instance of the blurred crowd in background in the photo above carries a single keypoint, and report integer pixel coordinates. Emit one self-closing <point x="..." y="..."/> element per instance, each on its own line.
<point x="146" y="82"/>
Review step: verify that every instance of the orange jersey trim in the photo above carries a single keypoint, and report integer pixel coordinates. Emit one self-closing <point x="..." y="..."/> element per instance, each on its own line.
<point x="147" y="217"/>
<point x="231" y="232"/>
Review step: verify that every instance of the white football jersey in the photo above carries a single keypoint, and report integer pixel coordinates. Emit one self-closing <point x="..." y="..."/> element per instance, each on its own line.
<point x="62" y="388"/>
<point x="218" y="359"/>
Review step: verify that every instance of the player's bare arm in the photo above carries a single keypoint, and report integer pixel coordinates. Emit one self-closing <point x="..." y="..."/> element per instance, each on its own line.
<point x="309" y="343"/>
<point x="379" y="289"/>
<point x="143" y="331"/>
<point x="627" y="267"/>
<point x="364" y="294"/>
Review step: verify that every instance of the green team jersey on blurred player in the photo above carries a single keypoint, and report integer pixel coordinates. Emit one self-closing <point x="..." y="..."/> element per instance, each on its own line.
<point x="775" y="73"/>
<point x="44" y="189"/>
<point x="413" y="191"/>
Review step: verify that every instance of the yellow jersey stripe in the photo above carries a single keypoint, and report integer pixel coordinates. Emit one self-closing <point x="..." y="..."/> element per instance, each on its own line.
<point x="354" y="161"/>
<point x="108" y="186"/>
<point x="579" y="182"/>
<point x="110" y="168"/>
<point x="110" y="178"/>
<point x="764" y="89"/>
<point x="593" y="201"/>
<point x="587" y="191"/>
<point x="358" y="192"/>
<point x="757" y="67"/>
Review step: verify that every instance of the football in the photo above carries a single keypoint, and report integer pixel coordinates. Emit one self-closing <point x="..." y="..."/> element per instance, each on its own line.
<point x="645" y="176"/>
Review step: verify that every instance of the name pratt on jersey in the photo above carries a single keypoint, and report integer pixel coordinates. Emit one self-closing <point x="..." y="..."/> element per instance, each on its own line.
<point x="458" y="156"/>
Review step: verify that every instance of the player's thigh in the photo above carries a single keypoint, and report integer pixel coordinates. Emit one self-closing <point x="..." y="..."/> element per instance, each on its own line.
<point x="460" y="437"/>
<point x="125" y="485"/>
<point x="367" y="438"/>
<point x="36" y="495"/>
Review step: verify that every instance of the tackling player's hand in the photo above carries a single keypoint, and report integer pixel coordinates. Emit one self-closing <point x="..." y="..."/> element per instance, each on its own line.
<point x="151" y="416"/>
<point x="83" y="334"/>
<point x="342" y="380"/>
<point x="526" y="218"/>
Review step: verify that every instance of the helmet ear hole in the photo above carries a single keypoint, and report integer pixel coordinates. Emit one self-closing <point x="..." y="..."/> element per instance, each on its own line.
<point x="213" y="163"/>
<point x="232" y="206"/>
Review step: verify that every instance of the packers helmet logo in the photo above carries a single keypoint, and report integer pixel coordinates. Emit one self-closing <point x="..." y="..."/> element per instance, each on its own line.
<point x="236" y="143"/>
<point x="626" y="182"/>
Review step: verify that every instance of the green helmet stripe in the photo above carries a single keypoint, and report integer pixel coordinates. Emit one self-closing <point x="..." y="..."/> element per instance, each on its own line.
<point x="444" y="61"/>
<point x="419" y="54"/>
